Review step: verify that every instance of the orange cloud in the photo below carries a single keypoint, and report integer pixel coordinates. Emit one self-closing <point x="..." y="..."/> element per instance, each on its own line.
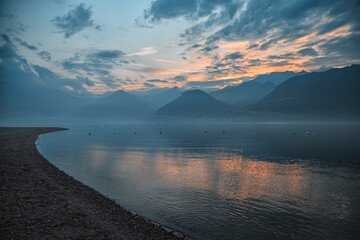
<point x="278" y="57"/>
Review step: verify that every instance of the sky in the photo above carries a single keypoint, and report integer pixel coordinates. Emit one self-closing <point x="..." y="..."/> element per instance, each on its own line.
<point x="100" y="46"/>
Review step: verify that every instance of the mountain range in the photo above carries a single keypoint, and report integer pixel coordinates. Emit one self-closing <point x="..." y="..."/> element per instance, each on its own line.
<point x="30" y="91"/>
<point x="160" y="98"/>
<point x="244" y="94"/>
<point x="194" y="103"/>
<point x="119" y="105"/>
<point x="333" y="93"/>
<point x="277" y="77"/>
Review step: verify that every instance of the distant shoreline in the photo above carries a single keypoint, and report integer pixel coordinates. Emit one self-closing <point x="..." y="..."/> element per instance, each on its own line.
<point x="37" y="200"/>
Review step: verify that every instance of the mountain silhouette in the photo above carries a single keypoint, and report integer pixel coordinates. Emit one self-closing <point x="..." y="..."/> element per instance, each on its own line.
<point x="194" y="103"/>
<point x="277" y="77"/>
<point x="331" y="93"/>
<point x="119" y="105"/>
<point x="36" y="102"/>
<point x="159" y="99"/>
<point x="244" y="94"/>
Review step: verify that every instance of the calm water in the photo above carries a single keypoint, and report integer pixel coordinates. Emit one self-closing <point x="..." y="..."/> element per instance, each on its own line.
<point x="250" y="181"/>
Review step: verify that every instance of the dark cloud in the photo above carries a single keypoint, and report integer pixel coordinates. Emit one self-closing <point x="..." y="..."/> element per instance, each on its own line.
<point x="267" y="44"/>
<point x="139" y="22"/>
<point x="45" y="56"/>
<point x="257" y="20"/>
<point x="215" y="12"/>
<point x="86" y="81"/>
<point x="17" y="70"/>
<point x="56" y="81"/>
<point x="6" y="38"/>
<point x="103" y="72"/>
<point x="74" y="66"/>
<point x="219" y="65"/>
<point x="25" y="44"/>
<point x="209" y="49"/>
<point x="307" y="52"/>
<point x="195" y="46"/>
<point x="253" y="46"/>
<point x="222" y="70"/>
<point x="279" y="64"/>
<point x="8" y="52"/>
<point x="110" y="82"/>
<point x="97" y="64"/>
<point x="166" y="9"/>
<point x="157" y="81"/>
<point x="190" y="9"/>
<point x="265" y="24"/>
<point x="233" y="56"/>
<point x="109" y="54"/>
<point x="219" y="13"/>
<point x="180" y="78"/>
<point x="75" y="21"/>
<point x="128" y="80"/>
<point x="16" y="28"/>
<point x="282" y="56"/>
<point x="10" y="25"/>
<point x="344" y="49"/>
<point x="286" y="20"/>
<point x="339" y="50"/>
<point x="255" y="61"/>
<point x="149" y="85"/>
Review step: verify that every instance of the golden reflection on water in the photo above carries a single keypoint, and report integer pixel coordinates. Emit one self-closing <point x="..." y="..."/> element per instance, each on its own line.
<point x="193" y="172"/>
<point x="242" y="178"/>
<point x="230" y="175"/>
<point x="217" y="188"/>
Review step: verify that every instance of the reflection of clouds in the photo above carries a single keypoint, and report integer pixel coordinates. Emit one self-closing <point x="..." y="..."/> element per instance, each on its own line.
<point x="232" y="176"/>
<point x="191" y="172"/>
<point x="229" y="175"/>
<point x="243" y="178"/>
<point x="251" y="183"/>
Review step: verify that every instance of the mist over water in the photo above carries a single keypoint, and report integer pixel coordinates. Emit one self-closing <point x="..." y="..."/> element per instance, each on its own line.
<point x="222" y="181"/>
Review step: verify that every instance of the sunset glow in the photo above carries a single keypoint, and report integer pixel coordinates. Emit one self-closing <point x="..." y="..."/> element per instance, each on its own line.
<point x="124" y="51"/>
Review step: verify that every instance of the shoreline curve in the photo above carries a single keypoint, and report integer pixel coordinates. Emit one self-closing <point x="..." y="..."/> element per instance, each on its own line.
<point x="38" y="200"/>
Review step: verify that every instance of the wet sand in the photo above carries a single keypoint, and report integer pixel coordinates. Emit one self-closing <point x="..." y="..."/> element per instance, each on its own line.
<point x="39" y="201"/>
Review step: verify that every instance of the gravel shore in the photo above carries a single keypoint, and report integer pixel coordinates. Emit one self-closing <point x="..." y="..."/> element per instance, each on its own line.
<point x="39" y="201"/>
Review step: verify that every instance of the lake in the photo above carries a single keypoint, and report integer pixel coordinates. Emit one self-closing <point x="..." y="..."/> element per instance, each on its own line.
<point x="222" y="181"/>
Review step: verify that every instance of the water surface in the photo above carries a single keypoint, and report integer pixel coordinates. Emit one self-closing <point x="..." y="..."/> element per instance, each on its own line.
<point x="223" y="181"/>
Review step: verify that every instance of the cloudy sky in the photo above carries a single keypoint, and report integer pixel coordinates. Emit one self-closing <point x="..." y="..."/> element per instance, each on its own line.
<point x="143" y="44"/>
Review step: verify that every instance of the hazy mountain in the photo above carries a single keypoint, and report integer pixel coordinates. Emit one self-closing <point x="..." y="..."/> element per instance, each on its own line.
<point x="244" y="94"/>
<point x="160" y="98"/>
<point x="331" y="93"/>
<point x="19" y="102"/>
<point x="194" y="103"/>
<point x="120" y="105"/>
<point x="29" y="92"/>
<point x="277" y="77"/>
